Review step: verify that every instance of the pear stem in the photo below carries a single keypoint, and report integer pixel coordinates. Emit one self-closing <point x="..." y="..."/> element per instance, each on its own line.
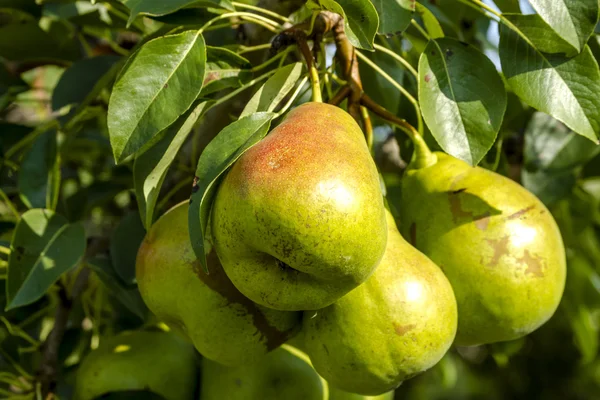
<point x="422" y="156"/>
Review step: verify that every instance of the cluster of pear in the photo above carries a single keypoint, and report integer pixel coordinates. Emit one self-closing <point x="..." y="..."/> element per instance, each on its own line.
<point x="159" y="365"/>
<point x="301" y="245"/>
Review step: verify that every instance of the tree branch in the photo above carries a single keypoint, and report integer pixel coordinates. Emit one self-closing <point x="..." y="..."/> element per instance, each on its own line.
<point x="47" y="373"/>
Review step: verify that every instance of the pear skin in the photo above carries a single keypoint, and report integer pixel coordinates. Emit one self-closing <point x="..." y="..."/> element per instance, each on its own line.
<point x="284" y="373"/>
<point x="496" y="242"/>
<point x="155" y="361"/>
<point x="336" y="394"/>
<point x="400" y="322"/>
<point x="223" y="324"/>
<point x="299" y="219"/>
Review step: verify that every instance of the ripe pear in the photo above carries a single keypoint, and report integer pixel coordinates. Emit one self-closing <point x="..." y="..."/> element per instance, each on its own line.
<point x="284" y="373"/>
<point x="398" y="323"/>
<point x="496" y="242"/>
<point x="152" y="361"/>
<point x="223" y="324"/>
<point x="299" y="219"/>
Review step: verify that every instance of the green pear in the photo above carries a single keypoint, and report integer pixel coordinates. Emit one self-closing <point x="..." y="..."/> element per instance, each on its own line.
<point x="398" y="323"/>
<point x="223" y="324"/>
<point x="152" y="361"/>
<point x="336" y="394"/>
<point x="283" y="374"/>
<point x="496" y="242"/>
<point x="299" y="219"/>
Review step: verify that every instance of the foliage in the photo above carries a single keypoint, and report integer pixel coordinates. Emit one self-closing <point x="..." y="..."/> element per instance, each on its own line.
<point x="112" y="112"/>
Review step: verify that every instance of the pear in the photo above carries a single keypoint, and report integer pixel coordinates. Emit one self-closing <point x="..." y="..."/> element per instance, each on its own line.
<point x="398" y="323"/>
<point x="284" y="373"/>
<point x="224" y="325"/>
<point x="151" y="361"/>
<point x="336" y="394"/>
<point x="496" y="242"/>
<point x="299" y="219"/>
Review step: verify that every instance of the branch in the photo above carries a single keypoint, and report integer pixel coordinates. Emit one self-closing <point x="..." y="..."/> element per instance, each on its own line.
<point x="48" y="371"/>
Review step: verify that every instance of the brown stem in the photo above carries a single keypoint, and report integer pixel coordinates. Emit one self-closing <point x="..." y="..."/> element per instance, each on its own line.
<point x="48" y="371"/>
<point x="366" y="101"/>
<point x="341" y="94"/>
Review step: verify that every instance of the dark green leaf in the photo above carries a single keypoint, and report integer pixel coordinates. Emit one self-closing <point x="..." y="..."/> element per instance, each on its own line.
<point x="551" y="146"/>
<point x="563" y="87"/>
<point x="508" y="6"/>
<point x="394" y="15"/>
<point x="216" y="158"/>
<point x="549" y="187"/>
<point x="159" y="84"/>
<point x="27" y="42"/>
<point x="128" y="296"/>
<point x="543" y="38"/>
<point x="39" y="175"/>
<point x="79" y="80"/>
<point x="43" y="247"/>
<point x="574" y="21"/>
<point x="462" y="98"/>
<point x="360" y="19"/>
<point x="150" y="167"/>
<point x="274" y="90"/>
<point x="124" y="244"/>
<point x="161" y="7"/>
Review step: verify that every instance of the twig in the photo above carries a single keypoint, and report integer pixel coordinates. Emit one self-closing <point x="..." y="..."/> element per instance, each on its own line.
<point x="48" y="371"/>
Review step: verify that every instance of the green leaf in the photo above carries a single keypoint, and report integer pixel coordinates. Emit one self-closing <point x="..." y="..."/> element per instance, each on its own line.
<point x="431" y="23"/>
<point x="274" y="90"/>
<point x="28" y="42"/>
<point x="549" y="187"/>
<point x="224" y="69"/>
<point x="217" y="157"/>
<point x="566" y="88"/>
<point x="79" y="80"/>
<point x="394" y="15"/>
<point x="150" y="167"/>
<point x="508" y="6"/>
<point x="39" y="175"/>
<point x="43" y="247"/>
<point x="543" y="38"/>
<point x="462" y="98"/>
<point x="360" y="19"/>
<point x="128" y="296"/>
<point x="574" y="21"/>
<point x="552" y="146"/>
<point x="162" y="7"/>
<point x="158" y="84"/>
<point x="124" y="244"/>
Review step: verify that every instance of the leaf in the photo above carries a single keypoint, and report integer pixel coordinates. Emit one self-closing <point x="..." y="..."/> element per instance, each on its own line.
<point x="224" y="69"/>
<point x="549" y="187"/>
<point x="79" y="80"/>
<point x="566" y="88"/>
<point x="217" y="157"/>
<point x="28" y="42"/>
<point x="150" y="167"/>
<point x="431" y="23"/>
<point x="574" y="21"/>
<point x="158" y="84"/>
<point x="394" y="15"/>
<point x="462" y="98"/>
<point x="162" y="7"/>
<point x="508" y="6"/>
<point x="551" y="146"/>
<point x="124" y="244"/>
<point x="543" y="38"/>
<point x="43" y="247"/>
<point x="360" y="19"/>
<point x="128" y="296"/>
<point x="39" y="175"/>
<point x="274" y="90"/>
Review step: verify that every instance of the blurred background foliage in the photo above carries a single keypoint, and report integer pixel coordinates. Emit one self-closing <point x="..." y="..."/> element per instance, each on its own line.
<point x="58" y="60"/>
